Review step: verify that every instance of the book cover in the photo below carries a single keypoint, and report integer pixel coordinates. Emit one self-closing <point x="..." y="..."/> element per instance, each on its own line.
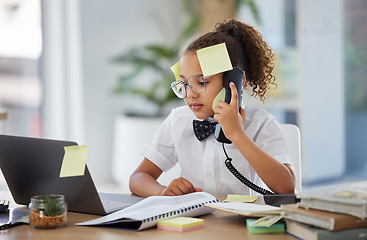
<point x="348" y="198"/>
<point x="149" y="211"/>
<point x="323" y="219"/>
<point x="308" y="232"/>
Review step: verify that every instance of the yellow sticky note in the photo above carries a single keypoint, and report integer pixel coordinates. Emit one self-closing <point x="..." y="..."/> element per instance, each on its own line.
<point x="350" y="195"/>
<point x="73" y="163"/>
<point x="176" y="69"/>
<point x="214" y="59"/>
<point x="181" y="222"/>
<point x="221" y="96"/>
<point x="240" y="198"/>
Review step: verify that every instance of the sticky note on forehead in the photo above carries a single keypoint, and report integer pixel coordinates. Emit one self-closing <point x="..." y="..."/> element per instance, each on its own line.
<point x="214" y="59"/>
<point x="176" y="69"/>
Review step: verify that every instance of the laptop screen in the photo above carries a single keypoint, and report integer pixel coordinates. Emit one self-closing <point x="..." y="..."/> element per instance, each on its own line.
<point x="31" y="166"/>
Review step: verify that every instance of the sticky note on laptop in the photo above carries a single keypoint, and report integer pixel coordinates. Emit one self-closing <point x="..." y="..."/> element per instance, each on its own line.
<point x="214" y="59"/>
<point x="73" y="163"/>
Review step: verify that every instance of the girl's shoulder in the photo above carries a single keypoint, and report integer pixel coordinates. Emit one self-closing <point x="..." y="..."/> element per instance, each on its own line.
<point x="257" y="113"/>
<point x="260" y="119"/>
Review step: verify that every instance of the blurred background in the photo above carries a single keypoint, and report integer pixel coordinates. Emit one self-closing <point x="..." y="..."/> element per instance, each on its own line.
<point x="97" y="72"/>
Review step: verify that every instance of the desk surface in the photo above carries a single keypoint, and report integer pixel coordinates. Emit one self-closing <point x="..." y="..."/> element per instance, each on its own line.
<point x="218" y="225"/>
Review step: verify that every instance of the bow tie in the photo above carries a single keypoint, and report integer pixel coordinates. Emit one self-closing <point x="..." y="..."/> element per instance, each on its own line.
<point x="203" y="129"/>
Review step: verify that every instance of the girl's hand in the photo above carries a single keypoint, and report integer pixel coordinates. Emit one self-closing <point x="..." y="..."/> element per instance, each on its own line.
<point x="180" y="186"/>
<point x="228" y="116"/>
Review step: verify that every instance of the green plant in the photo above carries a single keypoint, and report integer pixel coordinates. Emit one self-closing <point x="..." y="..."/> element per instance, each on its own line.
<point x="50" y="207"/>
<point x="158" y="58"/>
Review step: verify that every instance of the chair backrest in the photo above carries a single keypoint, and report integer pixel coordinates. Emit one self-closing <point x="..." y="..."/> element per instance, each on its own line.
<point x="293" y="138"/>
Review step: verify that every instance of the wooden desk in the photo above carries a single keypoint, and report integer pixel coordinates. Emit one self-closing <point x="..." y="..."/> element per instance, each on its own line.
<point x="3" y="113"/>
<point x="218" y="225"/>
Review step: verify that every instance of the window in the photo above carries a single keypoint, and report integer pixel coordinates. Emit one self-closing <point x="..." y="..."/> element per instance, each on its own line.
<point x="20" y="50"/>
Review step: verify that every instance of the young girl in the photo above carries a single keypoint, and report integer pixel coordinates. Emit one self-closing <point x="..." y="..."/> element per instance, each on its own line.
<point x="258" y="148"/>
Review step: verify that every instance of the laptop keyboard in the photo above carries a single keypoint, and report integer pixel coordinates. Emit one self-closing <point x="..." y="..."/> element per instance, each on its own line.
<point x="113" y="206"/>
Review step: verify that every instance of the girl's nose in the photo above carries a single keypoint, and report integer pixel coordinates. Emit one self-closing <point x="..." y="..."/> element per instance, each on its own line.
<point x="191" y="93"/>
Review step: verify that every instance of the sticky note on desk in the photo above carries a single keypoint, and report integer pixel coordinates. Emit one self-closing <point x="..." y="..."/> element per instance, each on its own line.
<point x="180" y="224"/>
<point x="266" y="221"/>
<point x="73" y="163"/>
<point x="240" y="198"/>
<point x="214" y="59"/>
<point x="274" y="228"/>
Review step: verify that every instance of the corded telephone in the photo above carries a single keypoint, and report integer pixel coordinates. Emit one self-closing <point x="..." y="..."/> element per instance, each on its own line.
<point x="236" y="76"/>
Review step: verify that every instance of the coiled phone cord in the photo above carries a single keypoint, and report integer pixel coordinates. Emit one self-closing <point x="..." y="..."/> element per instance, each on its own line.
<point x="242" y="178"/>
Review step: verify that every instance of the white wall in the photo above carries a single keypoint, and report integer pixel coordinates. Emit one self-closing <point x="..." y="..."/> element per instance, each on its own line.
<point x="110" y="27"/>
<point x="58" y="32"/>
<point x="320" y="41"/>
<point x="272" y="21"/>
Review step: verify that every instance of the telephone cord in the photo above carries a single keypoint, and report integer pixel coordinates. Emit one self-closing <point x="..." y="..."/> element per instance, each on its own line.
<point x="242" y="178"/>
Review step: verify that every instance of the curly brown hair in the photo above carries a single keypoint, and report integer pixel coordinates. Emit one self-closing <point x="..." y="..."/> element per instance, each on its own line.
<point x="247" y="50"/>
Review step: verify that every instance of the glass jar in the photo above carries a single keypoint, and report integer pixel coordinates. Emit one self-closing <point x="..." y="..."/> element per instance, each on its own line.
<point x="47" y="211"/>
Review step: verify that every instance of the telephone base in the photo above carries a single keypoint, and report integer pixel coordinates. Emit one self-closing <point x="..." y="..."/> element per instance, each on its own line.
<point x="278" y="199"/>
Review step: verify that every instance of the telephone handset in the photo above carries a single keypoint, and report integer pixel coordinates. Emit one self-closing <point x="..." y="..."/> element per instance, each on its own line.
<point x="236" y="76"/>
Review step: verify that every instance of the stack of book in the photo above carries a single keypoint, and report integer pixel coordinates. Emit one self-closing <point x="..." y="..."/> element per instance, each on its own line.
<point x="332" y="212"/>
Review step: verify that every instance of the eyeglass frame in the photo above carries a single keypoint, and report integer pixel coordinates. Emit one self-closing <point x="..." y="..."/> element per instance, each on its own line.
<point x="174" y="84"/>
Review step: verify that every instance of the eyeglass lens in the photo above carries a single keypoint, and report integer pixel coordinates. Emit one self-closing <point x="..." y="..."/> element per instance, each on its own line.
<point x="196" y="83"/>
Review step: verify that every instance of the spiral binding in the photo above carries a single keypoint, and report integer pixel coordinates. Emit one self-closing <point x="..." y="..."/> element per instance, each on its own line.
<point x="178" y="211"/>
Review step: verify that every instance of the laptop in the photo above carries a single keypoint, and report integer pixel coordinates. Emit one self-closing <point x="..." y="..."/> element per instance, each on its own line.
<point x="31" y="166"/>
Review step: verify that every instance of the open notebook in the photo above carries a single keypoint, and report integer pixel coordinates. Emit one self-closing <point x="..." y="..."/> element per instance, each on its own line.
<point x="149" y="211"/>
<point x="31" y="166"/>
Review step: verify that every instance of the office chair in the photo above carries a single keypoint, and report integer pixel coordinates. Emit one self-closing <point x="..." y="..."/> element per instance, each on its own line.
<point x="293" y="138"/>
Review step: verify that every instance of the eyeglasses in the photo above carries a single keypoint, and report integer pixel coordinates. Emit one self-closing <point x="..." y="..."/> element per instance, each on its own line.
<point x="196" y="83"/>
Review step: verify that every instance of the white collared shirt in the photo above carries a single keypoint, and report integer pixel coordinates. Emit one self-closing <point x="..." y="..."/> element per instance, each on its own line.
<point x="202" y="163"/>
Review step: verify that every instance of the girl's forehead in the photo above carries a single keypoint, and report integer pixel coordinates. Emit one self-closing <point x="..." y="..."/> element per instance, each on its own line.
<point x="190" y="65"/>
<point x="189" y="57"/>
